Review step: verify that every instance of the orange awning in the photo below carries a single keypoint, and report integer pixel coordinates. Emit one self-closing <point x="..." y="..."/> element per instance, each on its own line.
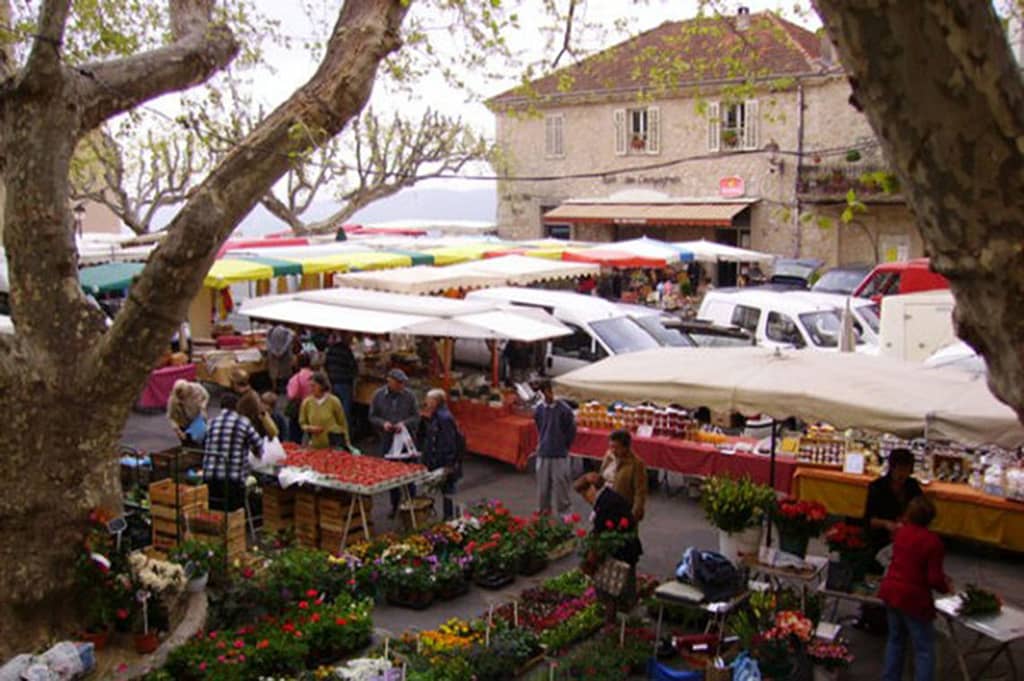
<point x="611" y="258"/>
<point x="701" y="214"/>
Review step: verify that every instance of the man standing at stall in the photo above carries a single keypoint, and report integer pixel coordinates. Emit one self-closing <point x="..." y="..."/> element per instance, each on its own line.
<point x="393" y="408"/>
<point x="229" y="439"/>
<point x="342" y="369"/>
<point x="556" y="428"/>
<point x="279" y="356"/>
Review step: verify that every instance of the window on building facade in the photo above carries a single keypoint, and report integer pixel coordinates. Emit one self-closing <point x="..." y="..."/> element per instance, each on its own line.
<point x="554" y="136"/>
<point x="559" y="231"/>
<point x="732" y="126"/>
<point x="637" y="131"/>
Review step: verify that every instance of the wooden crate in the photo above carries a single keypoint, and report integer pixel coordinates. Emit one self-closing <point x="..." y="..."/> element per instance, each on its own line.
<point x="213" y="522"/>
<point x="164" y="464"/>
<point x="236" y="544"/>
<point x="162" y="493"/>
<point x="278" y="509"/>
<point x="331" y="541"/>
<point x="171" y="513"/>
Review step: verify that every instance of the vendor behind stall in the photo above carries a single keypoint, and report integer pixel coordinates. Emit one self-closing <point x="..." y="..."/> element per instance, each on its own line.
<point x="322" y="417"/>
<point x="888" y="498"/>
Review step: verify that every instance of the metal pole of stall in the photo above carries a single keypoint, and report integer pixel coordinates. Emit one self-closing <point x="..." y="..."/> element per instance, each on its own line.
<point x="771" y="480"/>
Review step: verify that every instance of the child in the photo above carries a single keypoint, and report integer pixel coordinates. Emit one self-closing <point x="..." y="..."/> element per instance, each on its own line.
<point x="273" y="417"/>
<point x="915" y="570"/>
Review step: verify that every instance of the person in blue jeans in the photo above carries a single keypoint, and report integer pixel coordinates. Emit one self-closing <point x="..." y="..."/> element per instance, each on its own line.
<point x="915" y="571"/>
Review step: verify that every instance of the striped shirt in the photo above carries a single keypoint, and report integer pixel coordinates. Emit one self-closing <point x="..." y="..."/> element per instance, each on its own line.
<point x="229" y="438"/>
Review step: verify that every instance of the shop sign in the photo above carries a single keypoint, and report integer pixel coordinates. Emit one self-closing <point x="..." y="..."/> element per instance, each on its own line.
<point x="731" y="187"/>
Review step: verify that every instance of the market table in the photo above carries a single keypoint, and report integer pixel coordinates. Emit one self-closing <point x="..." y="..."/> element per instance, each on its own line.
<point x="689" y="458"/>
<point x="160" y="382"/>
<point x="1003" y="629"/>
<point x="496" y="432"/>
<point x="961" y="511"/>
<point x="216" y="366"/>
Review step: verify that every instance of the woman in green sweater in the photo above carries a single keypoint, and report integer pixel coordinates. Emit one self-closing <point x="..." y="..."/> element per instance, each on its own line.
<point x="322" y="416"/>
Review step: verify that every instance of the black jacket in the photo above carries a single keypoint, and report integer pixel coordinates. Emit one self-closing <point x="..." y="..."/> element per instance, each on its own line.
<point x="341" y="364"/>
<point x="610" y="506"/>
<point x="883" y="503"/>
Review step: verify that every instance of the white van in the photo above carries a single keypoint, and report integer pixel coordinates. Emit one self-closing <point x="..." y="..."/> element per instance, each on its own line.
<point x="914" y="325"/>
<point x="775" y="318"/>
<point x="600" y="329"/>
<point x="866" y="313"/>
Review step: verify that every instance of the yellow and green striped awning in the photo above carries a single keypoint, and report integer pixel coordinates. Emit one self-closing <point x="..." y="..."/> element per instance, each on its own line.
<point x="451" y="255"/>
<point x="230" y="271"/>
<point x="343" y="262"/>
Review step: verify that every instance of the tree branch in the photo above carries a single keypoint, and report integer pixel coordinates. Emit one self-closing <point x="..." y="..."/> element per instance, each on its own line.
<point x="200" y="49"/>
<point x="280" y="211"/>
<point x="43" y="67"/>
<point x="366" y="31"/>
<point x="567" y="38"/>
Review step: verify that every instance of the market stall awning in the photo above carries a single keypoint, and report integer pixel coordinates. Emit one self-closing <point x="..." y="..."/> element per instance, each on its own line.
<point x="609" y="257"/>
<point x="281" y="267"/>
<point x="343" y="262"/>
<point x="416" y="280"/>
<point x="653" y="248"/>
<point x="847" y="390"/>
<point x="230" y="271"/>
<point x="266" y="242"/>
<point x="376" y="312"/>
<point x="452" y="255"/>
<point x="417" y="257"/>
<point x="709" y="251"/>
<point x="114" y="276"/>
<point x="700" y="214"/>
<point x="520" y="270"/>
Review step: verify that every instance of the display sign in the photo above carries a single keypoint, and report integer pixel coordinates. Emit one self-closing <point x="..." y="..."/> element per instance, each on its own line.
<point x="854" y="463"/>
<point x="731" y="187"/>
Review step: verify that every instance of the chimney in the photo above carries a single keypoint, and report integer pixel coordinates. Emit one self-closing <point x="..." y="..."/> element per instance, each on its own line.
<point x="742" y="18"/>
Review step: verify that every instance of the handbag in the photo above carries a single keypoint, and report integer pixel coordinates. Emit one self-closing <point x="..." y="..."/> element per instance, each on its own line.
<point x="197" y="429"/>
<point x="611" y="576"/>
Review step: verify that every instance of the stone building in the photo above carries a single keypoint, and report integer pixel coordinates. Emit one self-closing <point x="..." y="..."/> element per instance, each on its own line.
<point x="733" y="129"/>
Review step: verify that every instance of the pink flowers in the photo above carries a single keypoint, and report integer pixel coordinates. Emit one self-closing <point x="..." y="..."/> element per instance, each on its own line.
<point x="581" y="533"/>
<point x="790" y="623"/>
<point x="121" y="614"/>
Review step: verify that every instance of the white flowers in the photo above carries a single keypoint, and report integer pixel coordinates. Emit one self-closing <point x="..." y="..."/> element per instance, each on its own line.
<point x="157" y="576"/>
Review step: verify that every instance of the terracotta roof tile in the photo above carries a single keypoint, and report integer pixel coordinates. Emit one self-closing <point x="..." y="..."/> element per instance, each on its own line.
<point x="685" y="53"/>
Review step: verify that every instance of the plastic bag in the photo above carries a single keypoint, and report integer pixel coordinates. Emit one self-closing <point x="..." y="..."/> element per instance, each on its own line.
<point x="63" y="660"/>
<point x="12" y="671"/>
<point x="402" y="446"/>
<point x="273" y="452"/>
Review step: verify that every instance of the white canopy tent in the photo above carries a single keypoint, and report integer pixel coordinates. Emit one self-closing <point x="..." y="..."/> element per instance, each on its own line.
<point x="709" y="251"/>
<point x="848" y="390"/>
<point x="646" y="247"/>
<point x="506" y="270"/>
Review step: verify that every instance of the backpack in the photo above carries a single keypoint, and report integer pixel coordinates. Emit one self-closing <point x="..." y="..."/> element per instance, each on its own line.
<point x="710" y="572"/>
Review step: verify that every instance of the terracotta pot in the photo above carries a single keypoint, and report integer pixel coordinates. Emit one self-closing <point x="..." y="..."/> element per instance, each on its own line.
<point x="98" y="639"/>
<point x="146" y="643"/>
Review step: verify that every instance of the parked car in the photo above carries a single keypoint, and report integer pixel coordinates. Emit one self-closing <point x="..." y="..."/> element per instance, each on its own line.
<point x="600" y="328"/>
<point x="894" y="278"/>
<point x="844" y="279"/>
<point x="866" y="313"/>
<point x="706" y="334"/>
<point x="776" y="318"/>
<point x="655" y="322"/>
<point x="957" y="355"/>
<point x="795" y="273"/>
<point x="914" y="325"/>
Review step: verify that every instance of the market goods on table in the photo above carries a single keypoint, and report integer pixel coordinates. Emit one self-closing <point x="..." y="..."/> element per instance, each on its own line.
<point x="978" y="602"/>
<point x="357" y="474"/>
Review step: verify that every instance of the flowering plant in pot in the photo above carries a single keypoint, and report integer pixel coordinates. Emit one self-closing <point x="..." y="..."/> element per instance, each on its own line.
<point x="410" y="582"/>
<point x="798" y="521"/>
<point x="533" y="548"/>
<point x="737" y="508"/>
<point x="199" y="559"/>
<point x="781" y="649"/>
<point x="558" y="532"/>
<point x="450" y="576"/>
<point x="596" y="547"/>
<point x="848" y="542"/>
<point x="495" y="561"/>
<point x="829" y="656"/>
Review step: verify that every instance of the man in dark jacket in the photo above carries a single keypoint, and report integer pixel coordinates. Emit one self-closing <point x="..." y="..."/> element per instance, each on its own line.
<point x="888" y="498"/>
<point x="439" y="445"/>
<point x="556" y="429"/>
<point x="342" y="369"/>
<point x="392" y="408"/>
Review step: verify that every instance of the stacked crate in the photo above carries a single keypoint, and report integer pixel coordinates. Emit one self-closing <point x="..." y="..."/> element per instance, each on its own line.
<point x="307" y="525"/>
<point x="278" y="509"/>
<point x="211" y="527"/>
<point x="334" y="509"/>
<point x="168" y="507"/>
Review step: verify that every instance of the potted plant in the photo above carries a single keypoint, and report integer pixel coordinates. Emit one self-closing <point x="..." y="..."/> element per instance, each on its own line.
<point x="450" y="576"/>
<point x="103" y="583"/>
<point x="847" y="543"/>
<point x="737" y="508"/>
<point x="828" y="658"/>
<point x="558" y="533"/>
<point x="781" y="651"/>
<point x="798" y="521"/>
<point x="198" y="558"/>
<point x="409" y="583"/>
<point x="730" y="138"/>
<point x="534" y="550"/>
<point x="495" y="561"/>
<point x="146" y="638"/>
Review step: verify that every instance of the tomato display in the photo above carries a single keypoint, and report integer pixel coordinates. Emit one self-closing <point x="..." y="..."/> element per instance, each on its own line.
<point x="364" y="471"/>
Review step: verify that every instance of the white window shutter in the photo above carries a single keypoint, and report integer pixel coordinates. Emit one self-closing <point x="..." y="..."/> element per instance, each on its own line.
<point x="714" y="127"/>
<point x="560" y="135"/>
<point x="653" y="130"/>
<point x="620" y="132"/>
<point x="549" y="135"/>
<point x="750" y="121"/>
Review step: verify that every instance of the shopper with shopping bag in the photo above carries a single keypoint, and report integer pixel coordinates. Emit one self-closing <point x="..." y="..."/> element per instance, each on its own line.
<point x="393" y="410"/>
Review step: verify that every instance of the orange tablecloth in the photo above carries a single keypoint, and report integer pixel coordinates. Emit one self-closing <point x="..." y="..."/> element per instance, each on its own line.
<point x="496" y="432"/>
<point x="690" y="458"/>
<point x="961" y="510"/>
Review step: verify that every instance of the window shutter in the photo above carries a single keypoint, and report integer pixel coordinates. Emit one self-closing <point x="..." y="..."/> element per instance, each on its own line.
<point x="653" y="130"/>
<point x="620" y="132"/>
<point x="714" y="127"/>
<point x="549" y="135"/>
<point x="560" y="135"/>
<point x="750" y="121"/>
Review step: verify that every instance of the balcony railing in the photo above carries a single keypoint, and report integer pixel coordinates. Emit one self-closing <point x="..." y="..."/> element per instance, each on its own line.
<point x="835" y="180"/>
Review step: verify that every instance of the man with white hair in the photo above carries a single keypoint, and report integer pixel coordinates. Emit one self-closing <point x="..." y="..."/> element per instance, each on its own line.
<point x="441" y="446"/>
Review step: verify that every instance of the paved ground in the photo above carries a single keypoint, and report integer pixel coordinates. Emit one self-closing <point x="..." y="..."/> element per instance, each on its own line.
<point x="673" y="523"/>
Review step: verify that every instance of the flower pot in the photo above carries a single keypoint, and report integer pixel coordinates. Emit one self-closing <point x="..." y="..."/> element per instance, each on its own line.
<point x="531" y="566"/>
<point x="146" y="643"/>
<point x="562" y="550"/>
<point x="795" y="544"/>
<point x="414" y="600"/>
<point x="198" y="584"/>
<point x="825" y="674"/>
<point x="453" y="590"/>
<point x="735" y="545"/>
<point x="98" y="639"/>
<point x="494" y="580"/>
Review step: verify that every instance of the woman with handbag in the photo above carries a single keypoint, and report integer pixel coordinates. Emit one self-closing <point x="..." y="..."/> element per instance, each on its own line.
<point x="612" y="513"/>
<point x="186" y="412"/>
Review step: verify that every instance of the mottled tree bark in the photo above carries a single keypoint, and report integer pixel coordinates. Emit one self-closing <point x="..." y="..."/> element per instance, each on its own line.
<point x="67" y="382"/>
<point x="939" y="85"/>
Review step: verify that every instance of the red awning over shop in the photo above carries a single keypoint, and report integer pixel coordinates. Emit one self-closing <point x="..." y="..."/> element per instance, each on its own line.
<point x="236" y="244"/>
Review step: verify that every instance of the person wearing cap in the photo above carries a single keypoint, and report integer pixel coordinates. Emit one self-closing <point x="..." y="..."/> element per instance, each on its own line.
<point x="249" y="404"/>
<point x="393" y="407"/>
<point x="323" y="417"/>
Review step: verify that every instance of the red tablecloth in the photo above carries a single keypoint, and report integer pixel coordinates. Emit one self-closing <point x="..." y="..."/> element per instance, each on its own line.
<point x="158" y="387"/>
<point x="496" y="432"/>
<point x="690" y="458"/>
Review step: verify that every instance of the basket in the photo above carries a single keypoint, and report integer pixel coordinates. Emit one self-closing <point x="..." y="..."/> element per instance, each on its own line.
<point x="611" y="576"/>
<point x="421" y="507"/>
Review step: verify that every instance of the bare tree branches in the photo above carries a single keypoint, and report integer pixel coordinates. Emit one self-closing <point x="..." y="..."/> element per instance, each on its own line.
<point x="567" y="39"/>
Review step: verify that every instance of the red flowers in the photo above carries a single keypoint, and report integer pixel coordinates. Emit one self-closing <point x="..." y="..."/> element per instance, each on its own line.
<point x="121" y="614"/>
<point x="263" y="644"/>
<point x="340" y="621"/>
<point x="575" y="517"/>
<point x="623" y="523"/>
<point x="609" y="525"/>
<point x="844" y="537"/>
<point x="312" y="593"/>
<point x="248" y="573"/>
<point x="303" y="605"/>
<point x="581" y="533"/>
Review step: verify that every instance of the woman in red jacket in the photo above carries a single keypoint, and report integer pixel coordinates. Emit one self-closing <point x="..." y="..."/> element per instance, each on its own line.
<point x="915" y="571"/>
